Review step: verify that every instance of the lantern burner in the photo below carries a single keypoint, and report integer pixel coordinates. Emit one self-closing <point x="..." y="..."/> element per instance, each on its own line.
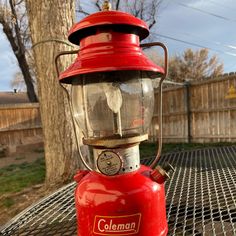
<point x="123" y="153"/>
<point x="117" y="161"/>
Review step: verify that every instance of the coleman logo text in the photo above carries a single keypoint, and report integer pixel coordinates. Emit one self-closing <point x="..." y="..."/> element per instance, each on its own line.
<point x="117" y="225"/>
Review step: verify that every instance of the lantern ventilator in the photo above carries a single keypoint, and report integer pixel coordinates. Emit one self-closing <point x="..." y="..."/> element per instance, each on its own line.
<point x="112" y="102"/>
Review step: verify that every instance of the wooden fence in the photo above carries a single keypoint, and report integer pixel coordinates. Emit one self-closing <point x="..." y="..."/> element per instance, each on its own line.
<point x="198" y="112"/>
<point x="195" y="112"/>
<point x="19" y="122"/>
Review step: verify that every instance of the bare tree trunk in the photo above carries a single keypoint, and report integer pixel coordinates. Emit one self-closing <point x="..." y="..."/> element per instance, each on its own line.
<point x="50" y="20"/>
<point x="12" y="31"/>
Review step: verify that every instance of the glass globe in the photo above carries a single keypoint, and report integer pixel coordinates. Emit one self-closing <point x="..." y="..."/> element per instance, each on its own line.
<point x="116" y="104"/>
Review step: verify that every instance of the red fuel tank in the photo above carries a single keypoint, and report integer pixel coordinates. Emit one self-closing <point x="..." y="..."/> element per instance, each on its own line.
<point x="127" y="204"/>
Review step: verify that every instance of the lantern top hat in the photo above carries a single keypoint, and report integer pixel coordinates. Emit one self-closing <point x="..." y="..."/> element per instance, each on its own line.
<point x="109" y="41"/>
<point x="116" y="19"/>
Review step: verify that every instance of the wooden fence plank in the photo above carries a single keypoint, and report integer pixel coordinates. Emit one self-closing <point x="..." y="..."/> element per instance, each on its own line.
<point x="211" y="115"/>
<point x="19" y="121"/>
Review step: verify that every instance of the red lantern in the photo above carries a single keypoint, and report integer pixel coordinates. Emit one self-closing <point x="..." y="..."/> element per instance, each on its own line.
<point x="112" y="102"/>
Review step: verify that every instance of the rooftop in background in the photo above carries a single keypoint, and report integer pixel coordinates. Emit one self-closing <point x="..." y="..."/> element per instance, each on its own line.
<point x="13" y="97"/>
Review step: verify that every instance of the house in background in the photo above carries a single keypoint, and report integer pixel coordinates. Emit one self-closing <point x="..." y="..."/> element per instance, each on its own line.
<point x="13" y="97"/>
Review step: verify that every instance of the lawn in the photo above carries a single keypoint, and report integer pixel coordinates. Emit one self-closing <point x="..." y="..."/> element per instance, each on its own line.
<point x="19" y="186"/>
<point x="150" y="149"/>
<point x="15" y="178"/>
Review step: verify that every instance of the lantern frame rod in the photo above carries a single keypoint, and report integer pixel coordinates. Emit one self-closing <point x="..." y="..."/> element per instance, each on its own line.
<point x="70" y="106"/>
<point x="158" y="155"/>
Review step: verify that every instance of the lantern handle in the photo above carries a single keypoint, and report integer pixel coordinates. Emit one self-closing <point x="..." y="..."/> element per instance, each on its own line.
<point x="158" y="155"/>
<point x="63" y="53"/>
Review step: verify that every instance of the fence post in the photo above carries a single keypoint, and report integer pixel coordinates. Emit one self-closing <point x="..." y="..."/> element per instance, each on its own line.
<point x="187" y="109"/>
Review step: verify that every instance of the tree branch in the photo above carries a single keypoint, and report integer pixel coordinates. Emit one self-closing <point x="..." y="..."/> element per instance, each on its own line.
<point x="17" y="28"/>
<point x="9" y="33"/>
<point x="19" y="2"/>
<point x="142" y="8"/>
<point x="152" y="24"/>
<point x="12" y="31"/>
<point x="82" y="12"/>
<point x="117" y="5"/>
<point x="98" y="5"/>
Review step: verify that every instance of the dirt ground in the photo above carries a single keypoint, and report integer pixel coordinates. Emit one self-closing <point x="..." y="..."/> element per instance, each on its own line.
<point x="24" y="199"/>
<point x="26" y="153"/>
<point x="28" y="196"/>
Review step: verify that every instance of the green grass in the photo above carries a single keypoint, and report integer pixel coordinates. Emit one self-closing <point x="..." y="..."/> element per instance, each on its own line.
<point x="8" y="202"/>
<point x="39" y="150"/>
<point x="19" y="158"/>
<point x="14" y="178"/>
<point x="150" y="149"/>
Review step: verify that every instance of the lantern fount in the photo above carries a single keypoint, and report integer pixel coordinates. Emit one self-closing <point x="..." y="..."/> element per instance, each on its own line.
<point x="112" y="101"/>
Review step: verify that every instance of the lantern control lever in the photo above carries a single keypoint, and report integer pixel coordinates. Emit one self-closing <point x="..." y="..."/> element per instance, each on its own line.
<point x="161" y="174"/>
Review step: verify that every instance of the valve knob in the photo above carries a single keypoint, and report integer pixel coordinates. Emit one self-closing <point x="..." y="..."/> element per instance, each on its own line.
<point x="160" y="174"/>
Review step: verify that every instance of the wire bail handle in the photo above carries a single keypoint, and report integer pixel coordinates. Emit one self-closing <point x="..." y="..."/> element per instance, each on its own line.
<point x="158" y="155"/>
<point x="153" y="164"/>
<point x="63" y="53"/>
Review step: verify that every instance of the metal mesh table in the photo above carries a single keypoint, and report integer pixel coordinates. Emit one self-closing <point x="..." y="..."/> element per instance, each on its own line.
<point x="201" y="199"/>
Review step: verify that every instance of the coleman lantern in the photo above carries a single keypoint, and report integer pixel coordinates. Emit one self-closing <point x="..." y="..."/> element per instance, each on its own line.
<point x="112" y="102"/>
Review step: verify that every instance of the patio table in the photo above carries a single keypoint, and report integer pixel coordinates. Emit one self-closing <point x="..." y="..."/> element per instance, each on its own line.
<point x="200" y="198"/>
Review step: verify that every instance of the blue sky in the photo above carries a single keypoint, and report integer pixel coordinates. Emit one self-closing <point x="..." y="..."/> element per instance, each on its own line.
<point x="207" y="23"/>
<point x="8" y="63"/>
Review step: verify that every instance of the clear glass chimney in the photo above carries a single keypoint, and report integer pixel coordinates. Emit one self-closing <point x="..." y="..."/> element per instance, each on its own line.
<point x="113" y="105"/>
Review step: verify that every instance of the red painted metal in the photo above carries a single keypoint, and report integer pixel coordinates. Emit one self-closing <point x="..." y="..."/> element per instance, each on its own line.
<point x="159" y="176"/>
<point x="113" y="19"/>
<point x="109" y="41"/>
<point x="128" y="204"/>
